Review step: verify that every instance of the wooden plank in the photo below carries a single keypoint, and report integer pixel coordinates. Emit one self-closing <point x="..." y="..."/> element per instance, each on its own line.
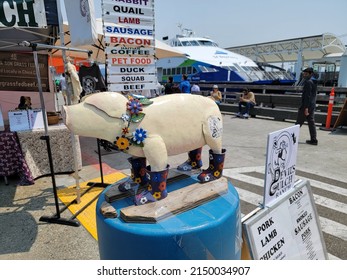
<point x="176" y="202"/>
<point x="342" y="118"/>
<point x="286" y="100"/>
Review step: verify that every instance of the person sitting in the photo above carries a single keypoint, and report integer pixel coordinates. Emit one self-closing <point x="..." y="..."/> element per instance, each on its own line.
<point x="195" y="88"/>
<point x="247" y="100"/>
<point x="24" y="103"/>
<point x="216" y="95"/>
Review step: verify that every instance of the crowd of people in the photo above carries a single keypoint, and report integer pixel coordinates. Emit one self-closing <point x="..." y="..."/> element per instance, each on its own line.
<point x="185" y="87"/>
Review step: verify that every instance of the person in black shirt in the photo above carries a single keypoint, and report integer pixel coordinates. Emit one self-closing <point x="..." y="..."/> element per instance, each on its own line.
<point x="308" y="104"/>
<point x="169" y="86"/>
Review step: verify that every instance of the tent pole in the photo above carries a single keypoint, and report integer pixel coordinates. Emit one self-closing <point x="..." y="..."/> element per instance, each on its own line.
<point x="55" y="218"/>
<point x="69" y="91"/>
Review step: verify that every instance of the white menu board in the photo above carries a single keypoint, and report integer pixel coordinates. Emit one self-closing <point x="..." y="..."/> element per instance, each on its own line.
<point x="35" y="119"/>
<point x="288" y="230"/>
<point x="18" y="120"/>
<point x="130" y="45"/>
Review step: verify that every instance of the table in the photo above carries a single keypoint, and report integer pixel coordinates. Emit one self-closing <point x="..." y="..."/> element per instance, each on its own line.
<point x="12" y="160"/>
<point x="36" y="155"/>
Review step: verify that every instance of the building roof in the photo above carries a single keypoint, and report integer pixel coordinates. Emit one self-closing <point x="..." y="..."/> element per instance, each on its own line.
<point x="312" y="47"/>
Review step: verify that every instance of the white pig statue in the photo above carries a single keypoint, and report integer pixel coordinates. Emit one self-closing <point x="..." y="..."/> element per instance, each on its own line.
<point x="151" y="130"/>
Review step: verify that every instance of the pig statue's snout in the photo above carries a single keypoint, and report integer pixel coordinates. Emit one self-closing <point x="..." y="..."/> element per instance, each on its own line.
<point x="64" y="114"/>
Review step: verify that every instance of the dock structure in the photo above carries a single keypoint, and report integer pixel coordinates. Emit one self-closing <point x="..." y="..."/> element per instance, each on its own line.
<point x="323" y="52"/>
<point x="279" y="102"/>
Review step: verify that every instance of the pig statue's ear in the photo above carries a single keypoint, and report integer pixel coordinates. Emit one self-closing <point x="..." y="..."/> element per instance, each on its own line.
<point x="111" y="103"/>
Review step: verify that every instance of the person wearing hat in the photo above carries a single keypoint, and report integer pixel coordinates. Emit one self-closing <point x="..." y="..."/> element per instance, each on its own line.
<point x="308" y="104"/>
<point x="247" y="100"/>
<point x="216" y="95"/>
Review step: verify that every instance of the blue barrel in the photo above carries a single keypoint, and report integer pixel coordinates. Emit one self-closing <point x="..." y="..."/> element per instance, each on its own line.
<point x="209" y="231"/>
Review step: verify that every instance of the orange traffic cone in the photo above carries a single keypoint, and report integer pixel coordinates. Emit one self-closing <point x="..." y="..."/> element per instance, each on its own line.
<point x="330" y="110"/>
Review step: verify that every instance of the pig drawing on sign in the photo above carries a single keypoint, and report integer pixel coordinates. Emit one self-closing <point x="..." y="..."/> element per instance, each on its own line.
<point x="152" y="130"/>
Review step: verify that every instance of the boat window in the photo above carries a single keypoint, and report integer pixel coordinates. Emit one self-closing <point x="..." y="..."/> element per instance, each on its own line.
<point x="184" y="70"/>
<point x="189" y="70"/>
<point x="173" y="71"/>
<point x="194" y="43"/>
<point x="168" y="71"/>
<point x="206" y="69"/>
<point x="185" y="43"/>
<point x="177" y="44"/>
<point x="237" y="67"/>
<point x="164" y="71"/>
<point x="231" y="68"/>
<point x="246" y="68"/>
<point x="255" y="68"/>
<point x="178" y="71"/>
<point x="207" y="43"/>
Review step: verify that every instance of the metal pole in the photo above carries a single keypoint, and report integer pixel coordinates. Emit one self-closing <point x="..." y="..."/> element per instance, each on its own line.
<point x="42" y="101"/>
<point x="69" y="91"/>
<point x="56" y="218"/>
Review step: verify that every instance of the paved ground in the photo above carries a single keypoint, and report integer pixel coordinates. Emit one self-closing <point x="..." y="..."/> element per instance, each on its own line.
<point x="23" y="236"/>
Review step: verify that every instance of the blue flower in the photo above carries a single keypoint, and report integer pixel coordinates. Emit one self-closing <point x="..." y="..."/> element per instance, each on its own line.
<point x="134" y="106"/>
<point x="139" y="135"/>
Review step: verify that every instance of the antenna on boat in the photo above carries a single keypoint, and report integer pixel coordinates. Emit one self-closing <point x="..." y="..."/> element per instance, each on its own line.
<point x="179" y="25"/>
<point x="185" y="32"/>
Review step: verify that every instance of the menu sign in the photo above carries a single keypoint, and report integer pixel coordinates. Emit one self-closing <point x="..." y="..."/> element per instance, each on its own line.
<point x="129" y="36"/>
<point x="135" y="9"/>
<point x="18" y="72"/>
<point x="288" y="230"/>
<point x="131" y="69"/>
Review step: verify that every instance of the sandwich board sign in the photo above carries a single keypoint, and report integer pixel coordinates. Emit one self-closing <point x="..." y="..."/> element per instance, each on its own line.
<point x="287" y="230"/>
<point x="282" y="147"/>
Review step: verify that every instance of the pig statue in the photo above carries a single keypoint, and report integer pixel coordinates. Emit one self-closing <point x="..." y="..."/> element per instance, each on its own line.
<point x="151" y="130"/>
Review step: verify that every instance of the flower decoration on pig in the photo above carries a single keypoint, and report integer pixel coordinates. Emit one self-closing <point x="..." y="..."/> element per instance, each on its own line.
<point x="139" y="135"/>
<point x="134" y="106"/>
<point x="134" y="114"/>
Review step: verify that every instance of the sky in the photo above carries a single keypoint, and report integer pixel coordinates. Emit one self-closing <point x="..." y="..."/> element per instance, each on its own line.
<point x="233" y="23"/>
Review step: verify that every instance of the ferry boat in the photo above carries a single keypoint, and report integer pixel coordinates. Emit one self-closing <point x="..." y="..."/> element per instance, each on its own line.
<point x="205" y="61"/>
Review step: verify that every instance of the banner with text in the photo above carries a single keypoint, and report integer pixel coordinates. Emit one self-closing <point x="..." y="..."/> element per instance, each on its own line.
<point x="18" y="72"/>
<point x="15" y="14"/>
